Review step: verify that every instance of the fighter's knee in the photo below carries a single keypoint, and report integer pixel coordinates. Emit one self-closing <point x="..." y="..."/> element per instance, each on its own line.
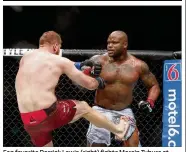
<point x="133" y="141"/>
<point x="85" y="105"/>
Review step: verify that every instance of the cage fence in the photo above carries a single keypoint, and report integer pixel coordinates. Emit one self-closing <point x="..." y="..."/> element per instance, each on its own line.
<point x="74" y="135"/>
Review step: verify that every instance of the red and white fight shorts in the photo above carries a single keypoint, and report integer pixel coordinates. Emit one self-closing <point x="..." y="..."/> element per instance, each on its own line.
<point x="40" y="124"/>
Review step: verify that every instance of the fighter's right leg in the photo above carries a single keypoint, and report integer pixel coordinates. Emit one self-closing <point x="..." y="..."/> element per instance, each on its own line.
<point x="99" y="120"/>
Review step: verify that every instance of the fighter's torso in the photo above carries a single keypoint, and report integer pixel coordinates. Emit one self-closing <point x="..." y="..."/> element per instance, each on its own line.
<point x="120" y="80"/>
<point x="36" y="80"/>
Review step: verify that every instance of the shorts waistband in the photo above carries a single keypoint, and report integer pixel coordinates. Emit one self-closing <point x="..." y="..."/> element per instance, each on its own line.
<point x="129" y="106"/>
<point x="38" y="116"/>
<point x="51" y="109"/>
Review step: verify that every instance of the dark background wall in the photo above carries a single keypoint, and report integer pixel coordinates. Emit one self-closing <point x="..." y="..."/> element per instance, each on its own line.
<point x="148" y="27"/>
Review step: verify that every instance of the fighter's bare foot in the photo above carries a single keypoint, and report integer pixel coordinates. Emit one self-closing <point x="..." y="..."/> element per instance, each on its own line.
<point x="122" y="128"/>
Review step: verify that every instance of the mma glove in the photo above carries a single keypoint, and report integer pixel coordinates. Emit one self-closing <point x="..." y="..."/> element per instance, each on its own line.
<point x="146" y="106"/>
<point x="89" y="63"/>
<point x="95" y="69"/>
<point x="101" y="82"/>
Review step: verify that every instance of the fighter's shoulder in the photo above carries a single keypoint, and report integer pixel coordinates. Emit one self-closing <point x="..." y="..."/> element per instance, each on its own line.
<point x="60" y="58"/>
<point x="97" y="58"/>
<point x="141" y="65"/>
<point x="65" y="60"/>
<point x="62" y="62"/>
<point x="26" y="55"/>
<point x="138" y="62"/>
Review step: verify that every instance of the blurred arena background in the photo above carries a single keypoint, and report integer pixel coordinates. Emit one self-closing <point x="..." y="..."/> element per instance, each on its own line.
<point x="148" y="28"/>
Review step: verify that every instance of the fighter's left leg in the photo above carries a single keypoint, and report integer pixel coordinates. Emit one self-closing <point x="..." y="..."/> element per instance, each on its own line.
<point x="83" y="110"/>
<point x="132" y="135"/>
<point x="132" y="141"/>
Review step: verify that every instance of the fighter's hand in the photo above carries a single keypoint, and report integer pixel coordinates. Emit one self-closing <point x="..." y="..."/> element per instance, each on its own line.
<point x="145" y="106"/>
<point x="95" y="67"/>
<point x="96" y="70"/>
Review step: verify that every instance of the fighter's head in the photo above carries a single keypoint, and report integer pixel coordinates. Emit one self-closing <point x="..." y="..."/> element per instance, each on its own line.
<point x="51" y="40"/>
<point x="117" y="43"/>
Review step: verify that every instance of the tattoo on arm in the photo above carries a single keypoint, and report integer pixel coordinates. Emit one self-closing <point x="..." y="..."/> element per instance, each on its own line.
<point x="95" y="58"/>
<point x="146" y="76"/>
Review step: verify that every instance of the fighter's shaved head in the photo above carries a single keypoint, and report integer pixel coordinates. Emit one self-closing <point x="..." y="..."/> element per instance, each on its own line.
<point x="120" y="34"/>
<point x="117" y="44"/>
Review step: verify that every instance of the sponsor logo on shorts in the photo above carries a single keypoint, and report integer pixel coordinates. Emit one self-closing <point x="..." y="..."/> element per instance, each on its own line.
<point x="32" y="120"/>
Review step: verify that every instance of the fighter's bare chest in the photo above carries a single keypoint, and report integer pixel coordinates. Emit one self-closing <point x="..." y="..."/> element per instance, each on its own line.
<point x="125" y="73"/>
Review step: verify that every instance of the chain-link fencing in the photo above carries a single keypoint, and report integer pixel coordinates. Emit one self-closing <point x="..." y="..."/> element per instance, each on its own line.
<point x="74" y="135"/>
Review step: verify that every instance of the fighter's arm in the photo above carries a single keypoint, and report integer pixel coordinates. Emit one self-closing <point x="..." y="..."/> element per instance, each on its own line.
<point x="150" y="82"/>
<point x="79" y="77"/>
<point x="91" y="67"/>
<point x="95" y="58"/>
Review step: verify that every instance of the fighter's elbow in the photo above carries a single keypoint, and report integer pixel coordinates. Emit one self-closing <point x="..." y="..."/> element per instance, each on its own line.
<point x="92" y="84"/>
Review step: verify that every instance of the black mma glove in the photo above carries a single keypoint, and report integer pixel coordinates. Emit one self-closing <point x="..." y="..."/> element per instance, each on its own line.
<point x="89" y="63"/>
<point x="101" y="82"/>
<point x="146" y="106"/>
<point x="95" y="67"/>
